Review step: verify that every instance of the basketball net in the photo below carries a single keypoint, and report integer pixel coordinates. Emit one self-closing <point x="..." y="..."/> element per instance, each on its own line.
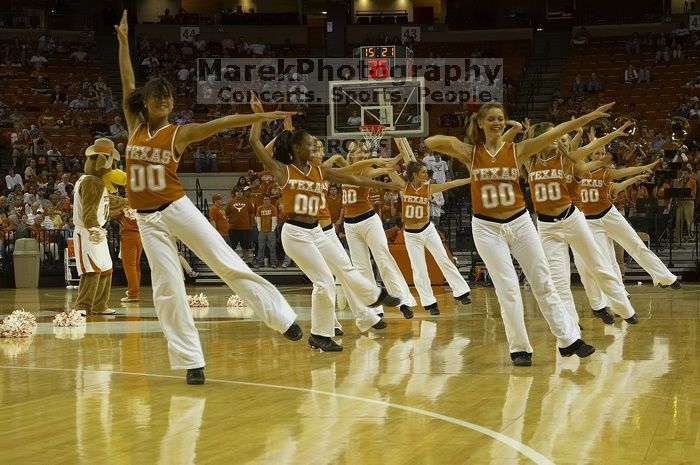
<point x="373" y="134"/>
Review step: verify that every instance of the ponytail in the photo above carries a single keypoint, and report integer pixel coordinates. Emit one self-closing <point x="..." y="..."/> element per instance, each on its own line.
<point x="283" y="150"/>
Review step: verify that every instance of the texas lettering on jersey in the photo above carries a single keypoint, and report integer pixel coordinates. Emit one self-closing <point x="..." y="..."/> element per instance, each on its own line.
<point x="591" y="183"/>
<point x="149" y="154"/>
<point x="305" y="186"/>
<point x="495" y="174"/>
<point x="415" y="199"/>
<point x="547" y="174"/>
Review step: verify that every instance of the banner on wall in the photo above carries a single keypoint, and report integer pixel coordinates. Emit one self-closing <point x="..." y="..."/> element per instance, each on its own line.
<point x="410" y="34"/>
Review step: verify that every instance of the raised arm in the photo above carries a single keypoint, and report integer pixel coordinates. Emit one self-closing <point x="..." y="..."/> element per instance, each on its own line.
<point x="634" y="170"/>
<point x="396" y="178"/>
<point x="576" y="140"/>
<point x="276" y="168"/>
<point x="583" y="152"/>
<point x="194" y="132"/>
<point x="126" y="71"/>
<point x="452" y="147"/>
<point x="618" y="187"/>
<point x="529" y="147"/>
<point x="515" y="129"/>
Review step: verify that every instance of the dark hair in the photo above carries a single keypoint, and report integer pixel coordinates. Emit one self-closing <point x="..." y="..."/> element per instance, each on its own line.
<point x="283" y="149"/>
<point x="154" y="88"/>
<point x="412" y="168"/>
<point x="475" y="135"/>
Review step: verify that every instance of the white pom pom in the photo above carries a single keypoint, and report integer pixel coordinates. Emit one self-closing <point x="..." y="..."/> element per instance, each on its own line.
<point x="198" y="301"/>
<point x="71" y="319"/>
<point x="235" y="302"/>
<point x="18" y="324"/>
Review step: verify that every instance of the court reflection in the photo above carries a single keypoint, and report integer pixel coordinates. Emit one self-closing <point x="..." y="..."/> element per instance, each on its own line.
<point x="179" y="443"/>
<point x="423" y="366"/>
<point x="593" y="402"/>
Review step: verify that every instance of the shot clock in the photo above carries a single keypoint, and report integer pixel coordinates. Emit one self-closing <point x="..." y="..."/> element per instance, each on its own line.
<point x="378" y="62"/>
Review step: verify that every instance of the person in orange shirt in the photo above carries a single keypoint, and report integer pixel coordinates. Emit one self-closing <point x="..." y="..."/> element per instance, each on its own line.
<point x="266" y="181"/>
<point x="240" y="215"/>
<point x="266" y="221"/>
<point x="130" y="250"/>
<point x="660" y="193"/>
<point x="218" y="218"/>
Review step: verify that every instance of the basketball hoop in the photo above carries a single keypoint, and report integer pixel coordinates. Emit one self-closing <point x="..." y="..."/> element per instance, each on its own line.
<point x="373" y="134"/>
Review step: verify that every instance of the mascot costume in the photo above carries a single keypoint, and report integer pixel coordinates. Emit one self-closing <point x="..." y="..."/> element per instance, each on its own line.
<point x="91" y="210"/>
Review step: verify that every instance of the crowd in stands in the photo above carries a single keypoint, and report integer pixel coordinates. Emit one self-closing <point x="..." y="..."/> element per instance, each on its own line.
<point x="52" y="102"/>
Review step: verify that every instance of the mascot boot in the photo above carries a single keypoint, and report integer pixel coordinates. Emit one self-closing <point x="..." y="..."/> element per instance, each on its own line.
<point x="91" y="211"/>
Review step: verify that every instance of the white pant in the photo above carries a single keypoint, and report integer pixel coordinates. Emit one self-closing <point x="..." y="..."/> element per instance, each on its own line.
<point x="319" y="259"/>
<point x="365" y="317"/>
<point x="614" y="227"/>
<point x="368" y="235"/>
<point x="181" y="220"/>
<point x="416" y="245"/>
<point x="573" y="231"/>
<point x="495" y="243"/>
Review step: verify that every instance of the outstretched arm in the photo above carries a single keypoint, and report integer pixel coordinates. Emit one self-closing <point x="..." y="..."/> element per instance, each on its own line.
<point x="336" y="160"/>
<point x="624" y="172"/>
<point x="529" y="147"/>
<point x="581" y="170"/>
<point x="194" y="132"/>
<point x="583" y="152"/>
<point x="620" y="186"/>
<point x="126" y="71"/>
<point x="338" y="176"/>
<point x="435" y="188"/>
<point x="452" y="147"/>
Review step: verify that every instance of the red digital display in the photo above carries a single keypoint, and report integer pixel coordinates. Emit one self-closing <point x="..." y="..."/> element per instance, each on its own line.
<point x="377" y="68"/>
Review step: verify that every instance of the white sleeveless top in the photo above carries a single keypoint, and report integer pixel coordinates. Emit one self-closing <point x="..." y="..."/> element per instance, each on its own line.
<point x="102" y="209"/>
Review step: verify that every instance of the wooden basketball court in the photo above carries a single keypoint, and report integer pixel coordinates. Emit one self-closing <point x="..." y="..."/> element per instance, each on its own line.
<point x="432" y="390"/>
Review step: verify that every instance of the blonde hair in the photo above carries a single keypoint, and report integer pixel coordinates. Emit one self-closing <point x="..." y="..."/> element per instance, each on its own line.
<point x="356" y="146"/>
<point x="475" y="135"/>
<point x="563" y="148"/>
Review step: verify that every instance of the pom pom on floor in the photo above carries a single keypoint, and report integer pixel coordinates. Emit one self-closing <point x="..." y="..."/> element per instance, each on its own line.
<point x="235" y="302"/>
<point x="18" y="324"/>
<point x="71" y="319"/>
<point x="198" y="301"/>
